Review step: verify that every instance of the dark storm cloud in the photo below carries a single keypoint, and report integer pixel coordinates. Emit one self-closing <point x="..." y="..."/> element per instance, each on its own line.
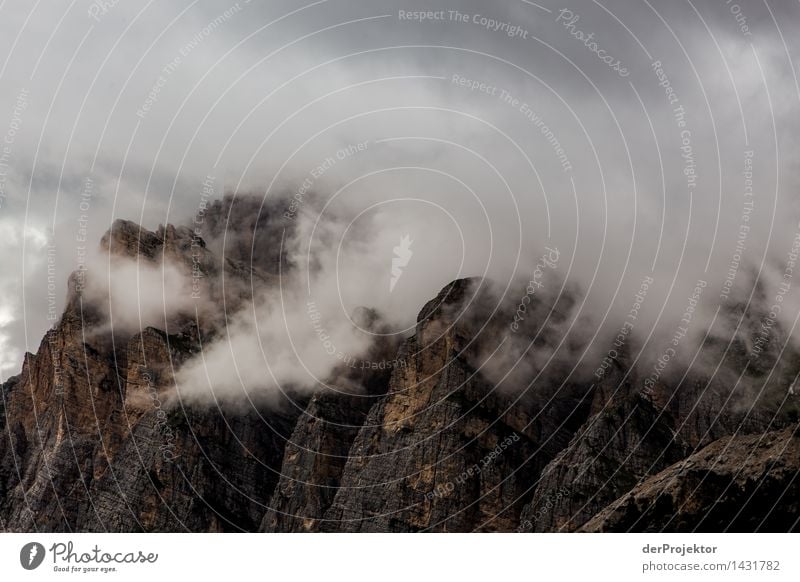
<point x="566" y="149"/>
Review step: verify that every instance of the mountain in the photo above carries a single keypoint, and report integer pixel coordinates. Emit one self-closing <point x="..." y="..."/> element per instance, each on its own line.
<point x="94" y="438"/>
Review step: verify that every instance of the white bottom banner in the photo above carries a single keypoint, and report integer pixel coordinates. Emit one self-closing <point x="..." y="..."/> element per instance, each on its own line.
<point x="371" y="557"/>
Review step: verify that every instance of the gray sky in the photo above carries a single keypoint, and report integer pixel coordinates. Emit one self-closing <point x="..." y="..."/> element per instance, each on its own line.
<point x="148" y="99"/>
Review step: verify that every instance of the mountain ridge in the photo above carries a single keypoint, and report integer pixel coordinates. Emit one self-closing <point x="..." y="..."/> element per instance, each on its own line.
<point x="95" y="439"/>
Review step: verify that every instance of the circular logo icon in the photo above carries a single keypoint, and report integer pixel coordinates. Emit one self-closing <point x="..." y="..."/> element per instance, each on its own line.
<point x="31" y="555"/>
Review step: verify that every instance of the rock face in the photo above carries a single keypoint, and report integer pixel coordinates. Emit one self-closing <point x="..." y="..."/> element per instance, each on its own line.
<point x="436" y="433"/>
<point x="444" y="450"/>
<point x="90" y="442"/>
<point x="314" y="461"/>
<point x="634" y="433"/>
<point x="739" y="484"/>
<point x="616" y="447"/>
<point x="319" y="447"/>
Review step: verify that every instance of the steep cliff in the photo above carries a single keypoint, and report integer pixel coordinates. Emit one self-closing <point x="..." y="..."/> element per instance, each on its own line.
<point x="635" y="433"/>
<point x="94" y="438"/>
<point x="742" y="483"/>
<point x="426" y="433"/>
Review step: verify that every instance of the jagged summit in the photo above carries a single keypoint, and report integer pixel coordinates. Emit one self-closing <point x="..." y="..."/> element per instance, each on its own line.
<point x="128" y="239"/>
<point x="415" y="436"/>
<point x="452" y="295"/>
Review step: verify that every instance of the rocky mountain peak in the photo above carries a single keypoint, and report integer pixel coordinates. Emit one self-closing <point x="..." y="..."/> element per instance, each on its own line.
<point x="417" y="437"/>
<point x="128" y="239"/>
<point x="450" y="300"/>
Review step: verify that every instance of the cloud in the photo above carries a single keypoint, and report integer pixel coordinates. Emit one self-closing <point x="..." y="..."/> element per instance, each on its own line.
<point x="372" y="111"/>
<point x="138" y="294"/>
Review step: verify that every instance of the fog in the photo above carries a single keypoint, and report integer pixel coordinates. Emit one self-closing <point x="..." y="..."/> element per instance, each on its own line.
<point x="479" y="135"/>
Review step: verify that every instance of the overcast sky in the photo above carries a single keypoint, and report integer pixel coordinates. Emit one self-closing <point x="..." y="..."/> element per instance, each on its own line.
<point x="489" y="131"/>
